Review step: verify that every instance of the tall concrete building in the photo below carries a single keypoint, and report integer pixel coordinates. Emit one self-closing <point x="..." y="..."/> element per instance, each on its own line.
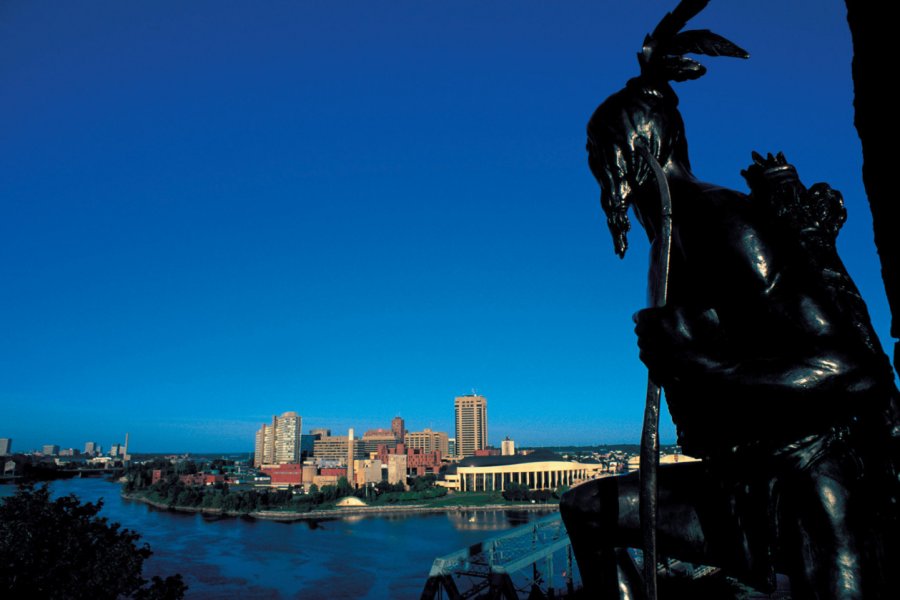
<point x="279" y="443"/>
<point x="90" y="448"/>
<point x="429" y="441"/>
<point x="5" y="446"/>
<point x="471" y="424"/>
<point x="508" y="447"/>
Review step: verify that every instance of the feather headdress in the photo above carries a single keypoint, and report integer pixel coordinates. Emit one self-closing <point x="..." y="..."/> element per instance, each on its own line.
<point x="662" y="54"/>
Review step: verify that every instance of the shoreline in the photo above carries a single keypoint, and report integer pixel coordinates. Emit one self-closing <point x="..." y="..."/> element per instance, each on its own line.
<point x="350" y="511"/>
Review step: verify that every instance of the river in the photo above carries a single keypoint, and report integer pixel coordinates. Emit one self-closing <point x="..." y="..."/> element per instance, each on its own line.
<point x="365" y="557"/>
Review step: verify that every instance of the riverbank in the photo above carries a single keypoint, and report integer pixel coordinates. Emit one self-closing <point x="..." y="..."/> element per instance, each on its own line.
<point x="348" y="511"/>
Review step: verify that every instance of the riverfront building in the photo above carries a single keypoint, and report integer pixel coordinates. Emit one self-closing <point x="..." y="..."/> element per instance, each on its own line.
<point x="367" y="472"/>
<point x="471" y="424"/>
<point x="396" y="471"/>
<point x="508" y="447"/>
<point x="5" y="446"/>
<point x="540" y="470"/>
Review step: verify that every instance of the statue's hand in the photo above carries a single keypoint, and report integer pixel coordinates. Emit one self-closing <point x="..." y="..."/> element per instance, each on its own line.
<point x="677" y="343"/>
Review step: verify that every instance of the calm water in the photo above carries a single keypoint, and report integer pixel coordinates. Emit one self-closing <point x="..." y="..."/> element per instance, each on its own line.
<point x="372" y="557"/>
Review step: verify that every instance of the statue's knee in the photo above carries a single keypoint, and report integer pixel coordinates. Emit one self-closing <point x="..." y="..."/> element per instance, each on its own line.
<point x="584" y="502"/>
<point x="568" y="504"/>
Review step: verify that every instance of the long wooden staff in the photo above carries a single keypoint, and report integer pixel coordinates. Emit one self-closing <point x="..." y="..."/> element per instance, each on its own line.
<point x="649" y="495"/>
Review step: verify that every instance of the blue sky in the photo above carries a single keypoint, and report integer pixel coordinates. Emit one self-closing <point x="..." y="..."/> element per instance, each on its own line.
<point x="212" y="212"/>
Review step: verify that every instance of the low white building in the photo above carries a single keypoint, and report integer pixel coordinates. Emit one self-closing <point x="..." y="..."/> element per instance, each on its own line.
<point x="540" y="470"/>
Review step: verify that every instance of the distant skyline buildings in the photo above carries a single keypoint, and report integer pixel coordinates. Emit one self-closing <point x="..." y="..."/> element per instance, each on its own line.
<point x="50" y="449"/>
<point x="471" y="424"/>
<point x="54" y="449"/>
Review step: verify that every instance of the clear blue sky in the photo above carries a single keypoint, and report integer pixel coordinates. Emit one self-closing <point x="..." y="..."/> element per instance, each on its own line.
<point x="215" y="211"/>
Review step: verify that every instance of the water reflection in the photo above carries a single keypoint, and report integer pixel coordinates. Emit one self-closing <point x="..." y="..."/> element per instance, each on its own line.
<point x="488" y="520"/>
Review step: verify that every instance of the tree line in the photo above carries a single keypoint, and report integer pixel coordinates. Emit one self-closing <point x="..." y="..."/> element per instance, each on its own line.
<point x="171" y="491"/>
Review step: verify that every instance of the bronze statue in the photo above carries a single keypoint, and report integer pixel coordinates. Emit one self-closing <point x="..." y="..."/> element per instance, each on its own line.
<point x="771" y="369"/>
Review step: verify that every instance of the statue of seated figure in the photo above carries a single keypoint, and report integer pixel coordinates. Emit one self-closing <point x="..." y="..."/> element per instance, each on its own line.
<point x="771" y="369"/>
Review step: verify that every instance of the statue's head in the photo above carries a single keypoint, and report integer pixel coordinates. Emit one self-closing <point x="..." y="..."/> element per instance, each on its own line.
<point x="645" y="114"/>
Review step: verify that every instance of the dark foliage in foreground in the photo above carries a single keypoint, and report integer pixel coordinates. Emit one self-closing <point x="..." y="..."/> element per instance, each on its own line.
<point x="60" y="548"/>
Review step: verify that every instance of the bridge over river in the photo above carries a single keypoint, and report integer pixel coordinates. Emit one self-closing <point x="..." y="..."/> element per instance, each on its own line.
<point x="534" y="560"/>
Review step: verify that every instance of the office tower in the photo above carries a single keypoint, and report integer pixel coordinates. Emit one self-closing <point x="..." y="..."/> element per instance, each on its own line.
<point x="90" y="448"/>
<point x="287" y="437"/>
<point x="115" y="450"/>
<point x="429" y="441"/>
<point x="451" y="447"/>
<point x="5" y="446"/>
<point x="398" y="427"/>
<point x="471" y="424"/>
<point x="50" y="450"/>
<point x="507" y="447"/>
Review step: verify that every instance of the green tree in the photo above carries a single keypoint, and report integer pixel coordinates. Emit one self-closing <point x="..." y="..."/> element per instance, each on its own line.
<point x="343" y="488"/>
<point x="61" y="549"/>
<point x="516" y="492"/>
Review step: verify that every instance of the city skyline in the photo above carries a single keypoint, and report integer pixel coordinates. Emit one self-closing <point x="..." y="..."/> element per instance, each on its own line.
<point x="216" y="213"/>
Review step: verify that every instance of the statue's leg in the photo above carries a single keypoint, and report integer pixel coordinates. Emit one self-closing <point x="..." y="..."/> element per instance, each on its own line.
<point x="591" y="512"/>
<point x="836" y="525"/>
<point x="602" y="515"/>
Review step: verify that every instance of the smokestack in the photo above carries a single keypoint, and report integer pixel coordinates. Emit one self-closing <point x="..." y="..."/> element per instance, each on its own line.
<point x="350" y="456"/>
<point x="125" y="457"/>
